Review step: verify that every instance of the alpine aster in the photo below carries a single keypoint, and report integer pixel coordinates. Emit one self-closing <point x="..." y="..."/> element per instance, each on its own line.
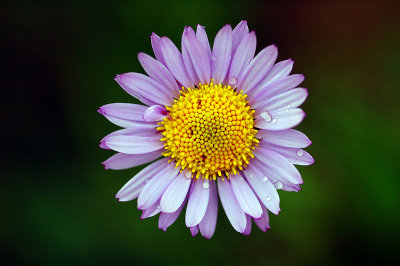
<point x="222" y="119"/>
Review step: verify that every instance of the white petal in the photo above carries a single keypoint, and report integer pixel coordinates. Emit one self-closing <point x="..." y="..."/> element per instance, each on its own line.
<point x="175" y="194"/>
<point x="198" y="201"/>
<point x="245" y="196"/>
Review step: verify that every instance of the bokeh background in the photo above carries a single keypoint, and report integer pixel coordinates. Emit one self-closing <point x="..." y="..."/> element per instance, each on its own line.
<point x="57" y="63"/>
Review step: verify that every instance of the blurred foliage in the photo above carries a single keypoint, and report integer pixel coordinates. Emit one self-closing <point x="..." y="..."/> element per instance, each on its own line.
<point x="58" y="60"/>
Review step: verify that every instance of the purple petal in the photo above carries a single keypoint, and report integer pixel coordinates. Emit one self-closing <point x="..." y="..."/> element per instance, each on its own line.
<point x="155" y="113"/>
<point x="174" y="62"/>
<point x="247" y="230"/>
<point x="278" y="181"/>
<point x="221" y="54"/>
<point x="186" y="59"/>
<point x="286" y="138"/>
<point x="231" y="206"/>
<point x="123" y="114"/>
<point x="198" y="201"/>
<point x="280" y="120"/>
<point x="194" y="230"/>
<point x="201" y="35"/>
<point x="243" y="56"/>
<point x="197" y="55"/>
<point x="155" y="44"/>
<point x="207" y="225"/>
<point x="238" y="34"/>
<point x="143" y="129"/>
<point x="287" y="100"/>
<point x="167" y="219"/>
<point x="121" y="161"/>
<point x="153" y="190"/>
<point x="264" y="189"/>
<point x="133" y="144"/>
<point x="263" y="222"/>
<point x="245" y="196"/>
<point x="133" y="187"/>
<point x="279" y="164"/>
<point x="151" y="211"/>
<point x="157" y="71"/>
<point x="176" y="193"/>
<point x="275" y="88"/>
<point x="258" y="68"/>
<point x="278" y="71"/>
<point x="294" y="155"/>
<point x="144" y="88"/>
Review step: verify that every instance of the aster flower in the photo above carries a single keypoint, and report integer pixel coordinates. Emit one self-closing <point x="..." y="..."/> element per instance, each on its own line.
<point x="216" y="123"/>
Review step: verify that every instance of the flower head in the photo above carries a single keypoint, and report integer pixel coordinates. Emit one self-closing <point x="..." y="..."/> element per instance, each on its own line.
<point x="217" y="123"/>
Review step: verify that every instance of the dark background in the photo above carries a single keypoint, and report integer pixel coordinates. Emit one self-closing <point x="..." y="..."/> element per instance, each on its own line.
<point x="57" y="63"/>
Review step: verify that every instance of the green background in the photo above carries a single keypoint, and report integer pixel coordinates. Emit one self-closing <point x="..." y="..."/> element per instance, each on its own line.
<point x="58" y="60"/>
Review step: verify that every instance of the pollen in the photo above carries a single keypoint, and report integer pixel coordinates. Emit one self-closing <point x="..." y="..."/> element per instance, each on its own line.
<point x="210" y="131"/>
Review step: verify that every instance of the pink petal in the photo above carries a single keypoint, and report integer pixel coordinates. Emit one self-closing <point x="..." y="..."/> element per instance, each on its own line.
<point x="176" y="193"/>
<point x="154" y="189"/>
<point x="151" y="211"/>
<point x="209" y="222"/>
<point x="133" y="144"/>
<point x="280" y="120"/>
<point x="198" y="201"/>
<point x="167" y="219"/>
<point x="258" y="68"/>
<point x="197" y="55"/>
<point x="245" y="196"/>
<point x="194" y="230"/>
<point x="231" y="206"/>
<point x="174" y="62"/>
<point x="286" y="138"/>
<point x="238" y="34"/>
<point x="278" y="71"/>
<point x="144" y="88"/>
<point x="293" y="155"/>
<point x="159" y="72"/>
<point x="121" y="161"/>
<point x="264" y="189"/>
<point x="155" y="113"/>
<point x="155" y="44"/>
<point x="221" y="54"/>
<point x="263" y="222"/>
<point x="143" y="129"/>
<point x="247" y="230"/>
<point x="201" y="35"/>
<point x="275" y="88"/>
<point x="243" y="56"/>
<point x="133" y="187"/>
<point x="287" y="100"/>
<point x="123" y="114"/>
<point x="279" y="164"/>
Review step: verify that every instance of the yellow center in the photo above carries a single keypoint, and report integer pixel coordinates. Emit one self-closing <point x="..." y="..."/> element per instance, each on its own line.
<point x="210" y="131"/>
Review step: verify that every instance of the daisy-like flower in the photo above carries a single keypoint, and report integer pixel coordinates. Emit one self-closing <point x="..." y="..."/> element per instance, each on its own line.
<point x="217" y="123"/>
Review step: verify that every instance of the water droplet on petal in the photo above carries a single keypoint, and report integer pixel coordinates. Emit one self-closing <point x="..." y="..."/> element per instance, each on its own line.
<point x="229" y="57"/>
<point x="265" y="179"/>
<point x="274" y="121"/>
<point x="267" y="117"/>
<point x="187" y="175"/>
<point x="213" y="58"/>
<point x="174" y="187"/>
<point x="278" y="185"/>
<point x="233" y="80"/>
<point x="300" y="152"/>
<point x="146" y="181"/>
<point x="268" y="198"/>
<point x="158" y="207"/>
<point x="206" y="185"/>
<point x="251" y="175"/>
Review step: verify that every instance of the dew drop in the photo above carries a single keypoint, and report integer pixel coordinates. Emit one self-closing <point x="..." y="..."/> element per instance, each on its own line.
<point x="274" y="121"/>
<point x="206" y="185"/>
<point x="213" y="58"/>
<point x="300" y="152"/>
<point x="229" y="57"/>
<point x="146" y="181"/>
<point x="187" y="175"/>
<point x="267" y="117"/>
<point x="158" y="207"/>
<point x="268" y="198"/>
<point x="251" y="175"/>
<point x="265" y="179"/>
<point x="278" y="185"/>
<point x="174" y="187"/>
<point x="233" y="80"/>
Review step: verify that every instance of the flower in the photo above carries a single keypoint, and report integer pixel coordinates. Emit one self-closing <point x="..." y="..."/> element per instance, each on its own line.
<point x="221" y="119"/>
